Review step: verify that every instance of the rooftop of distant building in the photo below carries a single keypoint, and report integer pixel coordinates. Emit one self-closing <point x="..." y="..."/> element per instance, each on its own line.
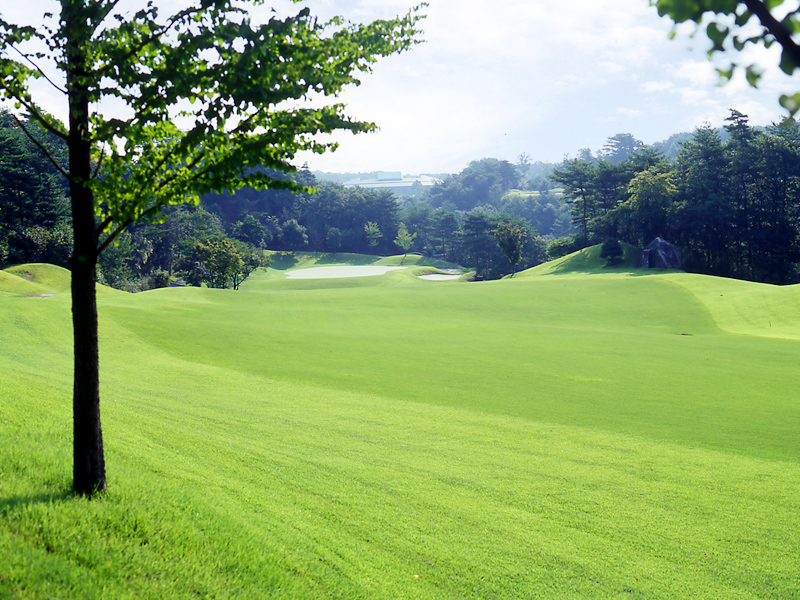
<point x="392" y="180"/>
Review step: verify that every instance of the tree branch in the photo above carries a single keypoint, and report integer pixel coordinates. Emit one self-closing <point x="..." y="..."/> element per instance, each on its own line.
<point x="775" y="27"/>
<point x="44" y="150"/>
<point x="112" y="236"/>
<point x="35" y="66"/>
<point x="34" y="112"/>
<point x="159" y="32"/>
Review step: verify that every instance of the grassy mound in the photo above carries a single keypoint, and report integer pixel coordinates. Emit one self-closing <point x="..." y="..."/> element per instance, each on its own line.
<point x="593" y="436"/>
<point x="586" y="261"/>
<point x="746" y="307"/>
<point x="35" y="278"/>
<point x="40" y="279"/>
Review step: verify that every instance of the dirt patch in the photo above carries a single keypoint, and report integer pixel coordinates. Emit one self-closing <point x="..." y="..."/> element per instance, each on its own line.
<point x="25" y="274"/>
<point x="40" y="295"/>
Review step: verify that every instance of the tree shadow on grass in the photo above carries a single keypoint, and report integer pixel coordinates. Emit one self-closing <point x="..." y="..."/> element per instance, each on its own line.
<point x="13" y="503"/>
<point x="283" y="261"/>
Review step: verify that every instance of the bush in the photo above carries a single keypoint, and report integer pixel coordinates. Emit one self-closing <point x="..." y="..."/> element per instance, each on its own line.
<point x="160" y="278"/>
<point x="562" y="246"/>
<point x="612" y="251"/>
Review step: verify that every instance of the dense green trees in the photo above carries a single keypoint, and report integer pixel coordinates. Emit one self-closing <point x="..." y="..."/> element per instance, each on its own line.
<point x="34" y="202"/>
<point x="404" y="240"/>
<point x="511" y="238"/>
<point x="620" y="147"/>
<point x="482" y="183"/>
<point x="733" y="206"/>
<point x="577" y="177"/>
<point x="303" y="220"/>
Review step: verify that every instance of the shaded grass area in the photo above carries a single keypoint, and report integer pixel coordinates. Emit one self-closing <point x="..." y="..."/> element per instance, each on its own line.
<point x="555" y="437"/>
<point x="588" y="261"/>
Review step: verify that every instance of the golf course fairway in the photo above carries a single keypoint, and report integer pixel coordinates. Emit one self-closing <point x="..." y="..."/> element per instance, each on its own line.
<point x="572" y="432"/>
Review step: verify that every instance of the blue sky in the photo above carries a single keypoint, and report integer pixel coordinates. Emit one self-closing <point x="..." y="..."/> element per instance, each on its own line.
<point x="497" y="78"/>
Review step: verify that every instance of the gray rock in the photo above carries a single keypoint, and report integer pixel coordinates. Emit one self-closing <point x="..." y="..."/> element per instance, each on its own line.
<point x="659" y="254"/>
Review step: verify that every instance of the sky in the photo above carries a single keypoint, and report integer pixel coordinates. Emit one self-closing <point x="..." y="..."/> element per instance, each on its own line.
<point x="499" y="78"/>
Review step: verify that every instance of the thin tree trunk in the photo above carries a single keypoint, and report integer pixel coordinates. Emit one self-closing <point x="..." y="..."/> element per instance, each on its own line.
<point x="89" y="471"/>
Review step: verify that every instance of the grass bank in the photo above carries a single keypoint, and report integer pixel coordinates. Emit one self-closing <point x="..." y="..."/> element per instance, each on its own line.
<point x="592" y="435"/>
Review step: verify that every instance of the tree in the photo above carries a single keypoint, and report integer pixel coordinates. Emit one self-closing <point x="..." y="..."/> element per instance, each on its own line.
<point x="233" y="85"/>
<point x="404" y="240"/>
<point x="373" y="233"/>
<point x="250" y="230"/>
<point x="419" y="220"/>
<point x="482" y="183"/>
<point x="293" y="235"/>
<point x="577" y="178"/>
<point x="704" y="216"/>
<point x="511" y="238"/>
<point x="31" y="191"/>
<point x="446" y="227"/>
<point x="333" y="239"/>
<point x="645" y="215"/>
<point x="731" y="25"/>
<point x="619" y="147"/>
<point x="216" y="263"/>
<point x="611" y="250"/>
<point x="253" y="258"/>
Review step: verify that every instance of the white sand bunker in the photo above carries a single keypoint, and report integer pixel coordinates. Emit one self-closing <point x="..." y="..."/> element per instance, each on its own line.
<point x="341" y="271"/>
<point x="439" y="277"/>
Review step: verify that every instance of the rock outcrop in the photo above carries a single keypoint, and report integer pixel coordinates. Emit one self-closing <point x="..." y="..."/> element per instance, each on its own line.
<point x="659" y="254"/>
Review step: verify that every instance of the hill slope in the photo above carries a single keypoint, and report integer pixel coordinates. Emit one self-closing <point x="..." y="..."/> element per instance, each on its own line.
<point x="590" y="436"/>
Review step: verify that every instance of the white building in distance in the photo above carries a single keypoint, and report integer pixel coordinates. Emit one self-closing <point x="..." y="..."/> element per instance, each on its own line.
<point x="394" y="181"/>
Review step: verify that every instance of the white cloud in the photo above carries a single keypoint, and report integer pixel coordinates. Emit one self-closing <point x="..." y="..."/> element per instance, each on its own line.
<point x="512" y="76"/>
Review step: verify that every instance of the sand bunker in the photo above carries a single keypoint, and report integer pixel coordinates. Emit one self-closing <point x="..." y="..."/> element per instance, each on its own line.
<point x="337" y="272"/>
<point x="439" y="277"/>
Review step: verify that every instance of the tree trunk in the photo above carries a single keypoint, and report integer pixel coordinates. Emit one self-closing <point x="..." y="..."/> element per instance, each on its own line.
<point x="89" y="470"/>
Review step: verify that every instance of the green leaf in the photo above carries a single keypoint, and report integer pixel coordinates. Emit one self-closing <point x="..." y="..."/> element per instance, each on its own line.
<point x="787" y="63"/>
<point x="717" y="35"/>
<point x="791" y="103"/>
<point x="726" y="74"/>
<point x="753" y="74"/>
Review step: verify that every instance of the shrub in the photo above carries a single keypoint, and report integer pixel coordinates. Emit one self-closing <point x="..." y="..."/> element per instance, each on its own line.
<point x="612" y="251"/>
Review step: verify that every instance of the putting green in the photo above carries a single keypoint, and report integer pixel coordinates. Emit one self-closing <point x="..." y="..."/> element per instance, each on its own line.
<point x="339" y="272"/>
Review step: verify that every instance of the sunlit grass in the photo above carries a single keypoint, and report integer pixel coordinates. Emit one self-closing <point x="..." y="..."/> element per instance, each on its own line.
<point x="556" y="437"/>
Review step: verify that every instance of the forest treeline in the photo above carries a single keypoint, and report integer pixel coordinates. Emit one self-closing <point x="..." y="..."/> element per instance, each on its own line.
<point x="728" y="198"/>
<point x="732" y="207"/>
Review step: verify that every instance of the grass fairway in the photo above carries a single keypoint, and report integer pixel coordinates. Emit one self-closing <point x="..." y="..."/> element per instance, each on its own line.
<point x="573" y="432"/>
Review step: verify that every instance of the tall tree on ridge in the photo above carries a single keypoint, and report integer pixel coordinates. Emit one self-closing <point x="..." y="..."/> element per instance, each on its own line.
<point x="577" y="179"/>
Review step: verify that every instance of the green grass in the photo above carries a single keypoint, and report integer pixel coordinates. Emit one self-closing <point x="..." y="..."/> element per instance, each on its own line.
<point x="572" y="433"/>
